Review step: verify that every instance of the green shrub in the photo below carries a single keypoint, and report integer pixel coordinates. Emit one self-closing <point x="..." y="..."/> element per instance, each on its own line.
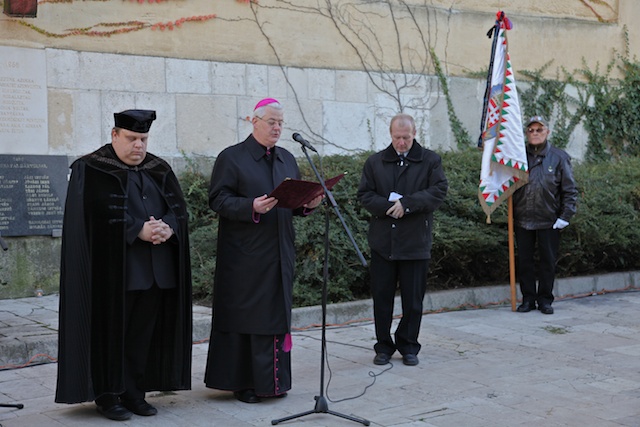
<point x="466" y="252"/>
<point x="604" y="235"/>
<point x="347" y="277"/>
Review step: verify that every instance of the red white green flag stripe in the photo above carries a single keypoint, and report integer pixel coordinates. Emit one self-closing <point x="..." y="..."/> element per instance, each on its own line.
<point x="504" y="159"/>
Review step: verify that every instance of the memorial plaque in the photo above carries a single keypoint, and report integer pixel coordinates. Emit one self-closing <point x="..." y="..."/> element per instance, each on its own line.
<point x="23" y="101"/>
<point x="33" y="190"/>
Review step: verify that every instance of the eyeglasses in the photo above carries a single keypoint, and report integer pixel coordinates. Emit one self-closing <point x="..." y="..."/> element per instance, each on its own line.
<point x="536" y="130"/>
<point x="272" y="122"/>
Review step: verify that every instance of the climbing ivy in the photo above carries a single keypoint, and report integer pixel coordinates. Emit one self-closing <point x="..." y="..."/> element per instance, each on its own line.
<point x="459" y="132"/>
<point x="607" y="106"/>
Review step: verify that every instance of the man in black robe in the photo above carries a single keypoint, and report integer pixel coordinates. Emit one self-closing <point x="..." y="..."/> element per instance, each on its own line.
<point x="125" y="277"/>
<point x="249" y="350"/>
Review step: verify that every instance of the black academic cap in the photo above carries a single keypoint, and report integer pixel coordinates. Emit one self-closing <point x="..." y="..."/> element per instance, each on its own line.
<point x="135" y="120"/>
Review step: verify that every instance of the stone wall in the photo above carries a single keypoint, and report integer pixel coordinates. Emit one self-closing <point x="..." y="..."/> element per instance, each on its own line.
<point x="341" y="73"/>
<point x="350" y="34"/>
<point x="204" y="106"/>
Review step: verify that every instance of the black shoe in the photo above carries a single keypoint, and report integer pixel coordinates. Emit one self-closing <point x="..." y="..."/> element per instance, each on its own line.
<point x="546" y="309"/>
<point x="115" y="412"/>
<point x="526" y="307"/>
<point x="410" y="359"/>
<point x="273" y="396"/>
<point x="246" y="396"/>
<point x="381" y="359"/>
<point x="140" y="407"/>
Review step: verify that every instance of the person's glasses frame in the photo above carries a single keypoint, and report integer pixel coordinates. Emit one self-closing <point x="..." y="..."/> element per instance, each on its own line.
<point x="272" y="122"/>
<point x="536" y="130"/>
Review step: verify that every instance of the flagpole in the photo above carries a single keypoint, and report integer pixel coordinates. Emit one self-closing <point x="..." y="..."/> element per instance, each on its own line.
<point x="504" y="166"/>
<point x="493" y="32"/>
<point x="512" y="257"/>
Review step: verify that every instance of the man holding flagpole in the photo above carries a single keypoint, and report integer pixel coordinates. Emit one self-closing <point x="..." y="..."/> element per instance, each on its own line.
<point x="504" y="159"/>
<point x="541" y="209"/>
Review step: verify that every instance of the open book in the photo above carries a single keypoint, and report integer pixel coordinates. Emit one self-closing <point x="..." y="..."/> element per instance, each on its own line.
<point x="293" y="193"/>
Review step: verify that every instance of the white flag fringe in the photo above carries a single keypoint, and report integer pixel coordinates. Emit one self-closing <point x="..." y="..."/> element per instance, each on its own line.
<point x="504" y="159"/>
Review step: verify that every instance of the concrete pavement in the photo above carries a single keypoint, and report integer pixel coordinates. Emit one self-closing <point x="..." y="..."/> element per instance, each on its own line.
<point x="478" y="367"/>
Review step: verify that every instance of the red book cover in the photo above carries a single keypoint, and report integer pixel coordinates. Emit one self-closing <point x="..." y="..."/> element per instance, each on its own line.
<point x="293" y="193"/>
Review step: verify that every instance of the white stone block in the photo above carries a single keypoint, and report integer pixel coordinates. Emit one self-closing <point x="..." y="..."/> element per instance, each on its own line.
<point x="613" y="281"/>
<point x="344" y="126"/>
<point x="121" y="72"/>
<point x="278" y="86"/>
<point x="257" y="81"/>
<point x="306" y="119"/>
<point x="439" y="136"/>
<point x="351" y="86"/>
<point x="23" y="101"/>
<point x="187" y="76"/>
<point x="297" y="88"/>
<point x="63" y="68"/>
<point x="322" y="84"/>
<point x="206" y="124"/>
<point x="60" y="106"/>
<point x="228" y="79"/>
<point x="88" y="116"/>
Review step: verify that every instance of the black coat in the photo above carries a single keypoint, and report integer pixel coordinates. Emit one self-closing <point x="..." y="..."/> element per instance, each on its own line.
<point x="550" y="193"/>
<point x="93" y="281"/>
<point x="253" y="286"/>
<point x="423" y="185"/>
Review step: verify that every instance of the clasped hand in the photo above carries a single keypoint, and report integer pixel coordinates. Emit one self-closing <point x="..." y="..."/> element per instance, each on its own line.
<point x="155" y="231"/>
<point x="396" y="211"/>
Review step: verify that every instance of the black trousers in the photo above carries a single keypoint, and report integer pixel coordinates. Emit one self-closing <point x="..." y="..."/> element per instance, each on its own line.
<point x="141" y="313"/>
<point x="546" y="242"/>
<point x="411" y="277"/>
<point x="142" y="308"/>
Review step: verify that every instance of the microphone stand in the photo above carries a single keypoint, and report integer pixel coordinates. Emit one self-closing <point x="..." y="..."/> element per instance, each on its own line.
<point x="321" y="405"/>
<point x="4" y="247"/>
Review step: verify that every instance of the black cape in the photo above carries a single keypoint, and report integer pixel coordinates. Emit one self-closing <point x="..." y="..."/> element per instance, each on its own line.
<point x="92" y="284"/>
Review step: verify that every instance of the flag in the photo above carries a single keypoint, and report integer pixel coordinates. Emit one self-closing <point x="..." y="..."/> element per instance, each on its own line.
<point x="504" y="159"/>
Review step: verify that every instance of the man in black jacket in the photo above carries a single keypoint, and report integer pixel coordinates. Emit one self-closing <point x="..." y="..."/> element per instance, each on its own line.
<point x="401" y="187"/>
<point x="542" y="208"/>
<point x="125" y="278"/>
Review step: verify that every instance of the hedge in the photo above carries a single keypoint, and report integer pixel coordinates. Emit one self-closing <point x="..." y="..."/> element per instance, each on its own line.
<point x="467" y="252"/>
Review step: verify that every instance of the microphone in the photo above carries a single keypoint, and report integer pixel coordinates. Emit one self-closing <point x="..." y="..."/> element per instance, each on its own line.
<point x="297" y="137"/>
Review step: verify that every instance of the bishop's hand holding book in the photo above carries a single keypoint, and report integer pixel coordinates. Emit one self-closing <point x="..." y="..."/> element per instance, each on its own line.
<point x="295" y="193"/>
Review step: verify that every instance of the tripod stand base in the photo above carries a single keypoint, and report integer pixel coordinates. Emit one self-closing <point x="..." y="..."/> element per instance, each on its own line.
<point x="11" y="405"/>
<point x="322" y="407"/>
